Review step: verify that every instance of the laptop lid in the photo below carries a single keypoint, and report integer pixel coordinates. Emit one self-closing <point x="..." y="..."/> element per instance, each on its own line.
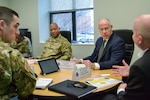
<point x="48" y="66"/>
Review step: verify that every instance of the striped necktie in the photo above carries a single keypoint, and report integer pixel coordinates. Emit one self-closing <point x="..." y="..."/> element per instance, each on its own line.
<point x="101" y="50"/>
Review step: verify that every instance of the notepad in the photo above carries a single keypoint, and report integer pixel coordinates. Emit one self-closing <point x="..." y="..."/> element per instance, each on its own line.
<point x="69" y="88"/>
<point x="43" y="83"/>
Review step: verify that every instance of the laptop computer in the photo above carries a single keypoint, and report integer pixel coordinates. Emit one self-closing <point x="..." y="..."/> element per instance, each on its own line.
<point x="48" y="66"/>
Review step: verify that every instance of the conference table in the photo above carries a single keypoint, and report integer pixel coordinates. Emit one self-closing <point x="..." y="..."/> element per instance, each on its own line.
<point x="65" y="74"/>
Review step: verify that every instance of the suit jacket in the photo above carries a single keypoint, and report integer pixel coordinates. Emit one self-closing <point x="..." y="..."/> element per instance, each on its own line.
<point x="138" y="83"/>
<point x="113" y="52"/>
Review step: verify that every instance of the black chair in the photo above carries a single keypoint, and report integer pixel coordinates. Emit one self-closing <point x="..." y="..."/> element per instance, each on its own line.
<point x="28" y="34"/>
<point x="126" y="35"/>
<point x="25" y="32"/>
<point x="66" y="34"/>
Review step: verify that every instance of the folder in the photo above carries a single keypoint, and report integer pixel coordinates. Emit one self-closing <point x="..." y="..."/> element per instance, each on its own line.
<point x="72" y="88"/>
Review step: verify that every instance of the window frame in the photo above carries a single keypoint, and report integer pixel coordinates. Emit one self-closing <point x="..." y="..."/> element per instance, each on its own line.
<point x="73" y="12"/>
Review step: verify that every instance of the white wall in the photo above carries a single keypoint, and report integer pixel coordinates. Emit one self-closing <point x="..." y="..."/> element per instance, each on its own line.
<point x="120" y="12"/>
<point x="28" y="12"/>
<point x="4" y="3"/>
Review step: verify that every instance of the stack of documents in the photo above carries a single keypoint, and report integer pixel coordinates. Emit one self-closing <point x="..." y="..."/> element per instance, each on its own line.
<point x="43" y="83"/>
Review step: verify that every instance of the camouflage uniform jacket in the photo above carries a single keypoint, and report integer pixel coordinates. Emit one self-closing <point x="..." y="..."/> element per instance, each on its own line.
<point x="58" y="48"/>
<point x="15" y="77"/>
<point x="22" y="46"/>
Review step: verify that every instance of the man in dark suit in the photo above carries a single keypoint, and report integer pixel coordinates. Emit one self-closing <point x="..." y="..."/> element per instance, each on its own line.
<point x="114" y="49"/>
<point x="137" y="86"/>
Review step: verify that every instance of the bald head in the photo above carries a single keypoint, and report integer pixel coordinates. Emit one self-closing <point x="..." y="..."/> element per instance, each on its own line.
<point x="141" y="31"/>
<point x="105" y="28"/>
<point x="142" y="26"/>
<point x="104" y="21"/>
<point x="54" y="24"/>
<point x="54" y="30"/>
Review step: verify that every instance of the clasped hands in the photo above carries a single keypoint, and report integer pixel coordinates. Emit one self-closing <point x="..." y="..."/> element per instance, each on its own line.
<point x="87" y="63"/>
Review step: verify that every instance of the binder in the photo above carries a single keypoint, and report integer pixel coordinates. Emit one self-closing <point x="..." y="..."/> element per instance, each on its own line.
<point x="72" y="88"/>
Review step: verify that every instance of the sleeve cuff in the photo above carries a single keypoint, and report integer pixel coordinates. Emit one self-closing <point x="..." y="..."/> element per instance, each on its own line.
<point x="97" y="66"/>
<point x="81" y="60"/>
<point x="119" y="90"/>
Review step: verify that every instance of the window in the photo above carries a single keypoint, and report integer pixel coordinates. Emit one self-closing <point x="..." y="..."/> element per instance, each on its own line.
<point x="76" y="16"/>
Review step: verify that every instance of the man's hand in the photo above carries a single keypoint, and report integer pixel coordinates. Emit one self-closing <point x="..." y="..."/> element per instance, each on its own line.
<point x="88" y="63"/>
<point x="122" y="86"/>
<point x="121" y="70"/>
<point x="77" y="61"/>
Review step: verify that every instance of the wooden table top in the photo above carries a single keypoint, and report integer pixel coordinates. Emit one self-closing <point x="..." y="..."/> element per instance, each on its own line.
<point x="64" y="74"/>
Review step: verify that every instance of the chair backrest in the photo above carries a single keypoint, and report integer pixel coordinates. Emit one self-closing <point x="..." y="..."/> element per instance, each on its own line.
<point x="66" y="34"/>
<point x="28" y="34"/>
<point x="25" y="32"/>
<point x="126" y="35"/>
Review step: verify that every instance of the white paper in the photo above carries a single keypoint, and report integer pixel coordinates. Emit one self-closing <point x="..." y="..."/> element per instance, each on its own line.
<point x="32" y="61"/>
<point x="80" y="66"/>
<point x="102" y="82"/>
<point x="64" y="64"/>
<point x="43" y="83"/>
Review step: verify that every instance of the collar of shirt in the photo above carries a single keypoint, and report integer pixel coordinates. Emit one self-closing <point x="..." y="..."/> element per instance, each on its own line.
<point x="105" y="42"/>
<point x="140" y="54"/>
<point x="57" y="38"/>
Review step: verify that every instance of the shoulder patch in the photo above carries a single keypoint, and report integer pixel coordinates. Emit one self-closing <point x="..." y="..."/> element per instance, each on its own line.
<point x="26" y="66"/>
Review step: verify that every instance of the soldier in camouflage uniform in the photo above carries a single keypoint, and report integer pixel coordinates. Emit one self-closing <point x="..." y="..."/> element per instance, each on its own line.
<point x="22" y="44"/>
<point x="56" y="46"/>
<point x="16" y="78"/>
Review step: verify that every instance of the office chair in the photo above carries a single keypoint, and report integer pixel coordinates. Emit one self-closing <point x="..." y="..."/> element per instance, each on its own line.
<point x="126" y="35"/>
<point x="25" y="32"/>
<point x="67" y="35"/>
<point x="28" y="34"/>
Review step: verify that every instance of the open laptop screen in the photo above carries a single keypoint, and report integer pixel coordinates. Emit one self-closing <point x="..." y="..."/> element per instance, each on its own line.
<point x="48" y="66"/>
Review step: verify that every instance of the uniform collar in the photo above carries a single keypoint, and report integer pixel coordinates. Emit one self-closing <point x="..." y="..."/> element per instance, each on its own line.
<point x="3" y="41"/>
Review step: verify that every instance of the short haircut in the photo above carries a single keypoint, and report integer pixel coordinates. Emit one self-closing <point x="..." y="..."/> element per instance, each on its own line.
<point x="6" y="14"/>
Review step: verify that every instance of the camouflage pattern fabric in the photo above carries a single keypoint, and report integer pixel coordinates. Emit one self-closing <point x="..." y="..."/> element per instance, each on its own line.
<point x="22" y="46"/>
<point x="58" y="48"/>
<point x="14" y="78"/>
